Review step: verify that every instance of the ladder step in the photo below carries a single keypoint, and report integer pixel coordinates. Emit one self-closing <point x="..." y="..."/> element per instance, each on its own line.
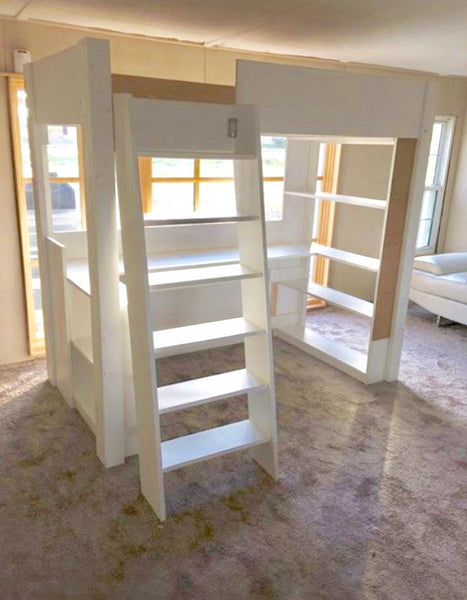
<point x="348" y="258"/>
<point x="204" y="335"/>
<point x="335" y="297"/>
<point x="198" y="219"/>
<point x="162" y="280"/>
<point x="206" y="389"/>
<point x="196" y="447"/>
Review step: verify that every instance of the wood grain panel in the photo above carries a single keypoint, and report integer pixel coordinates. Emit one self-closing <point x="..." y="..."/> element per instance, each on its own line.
<point x="166" y="89"/>
<point x="404" y="155"/>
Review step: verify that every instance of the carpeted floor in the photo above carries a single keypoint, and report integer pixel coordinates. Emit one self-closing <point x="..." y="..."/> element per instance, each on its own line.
<point x="370" y="504"/>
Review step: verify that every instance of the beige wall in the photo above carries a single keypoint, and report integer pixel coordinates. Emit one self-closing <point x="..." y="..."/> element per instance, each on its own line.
<point x="451" y="100"/>
<point x="455" y="238"/>
<point x="136" y="56"/>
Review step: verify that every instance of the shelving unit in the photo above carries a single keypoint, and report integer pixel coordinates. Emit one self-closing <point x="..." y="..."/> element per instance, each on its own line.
<point x="367" y="366"/>
<point x="153" y="128"/>
<point x="365" y="108"/>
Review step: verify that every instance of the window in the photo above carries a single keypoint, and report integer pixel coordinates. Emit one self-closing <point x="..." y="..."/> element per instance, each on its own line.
<point x="324" y="215"/>
<point x="435" y="182"/>
<point x="172" y="187"/>
<point x="67" y="195"/>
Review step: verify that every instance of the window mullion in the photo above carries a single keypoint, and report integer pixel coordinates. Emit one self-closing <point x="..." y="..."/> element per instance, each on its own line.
<point x="196" y="184"/>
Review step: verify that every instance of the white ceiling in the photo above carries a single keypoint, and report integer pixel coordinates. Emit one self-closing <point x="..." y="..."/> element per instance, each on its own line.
<point x="425" y="35"/>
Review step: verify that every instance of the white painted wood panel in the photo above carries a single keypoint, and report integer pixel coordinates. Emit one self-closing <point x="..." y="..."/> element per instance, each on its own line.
<point x="61" y="337"/>
<point x="301" y="100"/>
<point x="203" y="130"/>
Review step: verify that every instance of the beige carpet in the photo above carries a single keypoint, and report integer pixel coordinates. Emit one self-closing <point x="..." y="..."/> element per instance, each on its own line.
<point x="370" y="503"/>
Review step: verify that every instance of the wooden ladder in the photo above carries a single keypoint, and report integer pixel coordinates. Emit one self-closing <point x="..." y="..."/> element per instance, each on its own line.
<point x="156" y="128"/>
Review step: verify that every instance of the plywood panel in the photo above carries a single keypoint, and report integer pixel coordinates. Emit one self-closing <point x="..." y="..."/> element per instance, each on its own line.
<point x="404" y="155"/>
<point x="165" y="89"/>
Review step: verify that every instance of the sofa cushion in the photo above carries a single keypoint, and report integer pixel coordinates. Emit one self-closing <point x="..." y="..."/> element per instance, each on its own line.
<point x="442" y="264"/>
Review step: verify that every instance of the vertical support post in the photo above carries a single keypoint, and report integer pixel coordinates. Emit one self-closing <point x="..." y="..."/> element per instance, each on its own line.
<point x="139" y="308"/>
<point x="101" y="208"/>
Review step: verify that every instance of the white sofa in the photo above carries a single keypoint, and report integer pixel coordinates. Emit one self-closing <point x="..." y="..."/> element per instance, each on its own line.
<point x="439" y="284"/>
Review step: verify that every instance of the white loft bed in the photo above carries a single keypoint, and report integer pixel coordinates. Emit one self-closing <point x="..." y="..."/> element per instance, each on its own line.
<point x="439" y="284"/>
<point x="84" y="302"/>
<point x="84" y="307"/>
<point x="311" y="104"/>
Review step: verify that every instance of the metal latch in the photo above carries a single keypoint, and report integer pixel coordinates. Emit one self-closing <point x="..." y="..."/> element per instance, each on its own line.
<point x="232" y="127"/>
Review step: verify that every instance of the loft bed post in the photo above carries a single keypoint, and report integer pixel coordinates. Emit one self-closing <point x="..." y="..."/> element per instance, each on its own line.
<point x="73" y="87"/>
<point x="103" y="250"/>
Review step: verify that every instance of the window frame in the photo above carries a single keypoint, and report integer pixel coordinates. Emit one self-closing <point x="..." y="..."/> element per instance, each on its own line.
<point x="147" y="180"/>
<point x="36" y="343"/>
<point x="440" y="176"/>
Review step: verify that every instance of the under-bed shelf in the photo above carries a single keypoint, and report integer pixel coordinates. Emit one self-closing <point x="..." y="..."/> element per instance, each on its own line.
<point x="342" y="198"/>
<point x="335" y="353"/>
<point x="206" y="389"/>
<point x="203" y="335"/>
<point x="196" y="447"/>
<point x="335" y="297"/>
<point x="349" y="258"/>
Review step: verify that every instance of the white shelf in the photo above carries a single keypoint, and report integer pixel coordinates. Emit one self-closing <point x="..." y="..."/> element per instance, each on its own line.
<point x="185" y="259"/>
<point x="335" y="353"/>
<point x="335" y="297"/>
<point x="160" y="280"/>
<point x="196" y="447"/>
<point x="342" y="198"/>
<point x="206" y="389"/>
<point x="289" y="251"/>
<point x="204" y="335"/>
<point x="77" y="273"/>
<point x="348" y="258"/>
<point x="84" y="347"/>
<point x="198" y="219"/>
